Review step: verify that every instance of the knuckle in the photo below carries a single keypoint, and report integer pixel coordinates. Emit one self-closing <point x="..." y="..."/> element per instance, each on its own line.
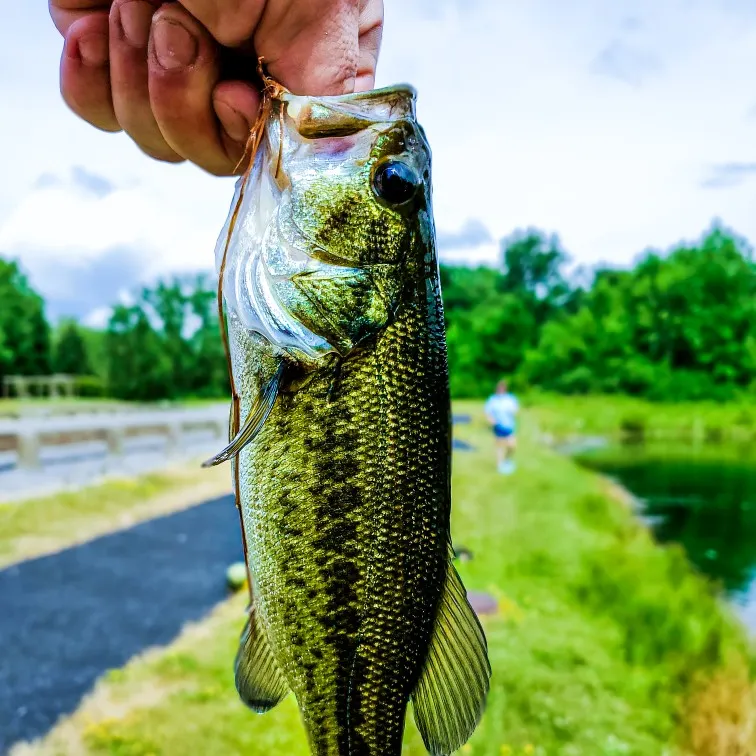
<point x="219" y="171"/>
<point x="234" y="23"/>
<point x="162" y="156"/>
<point x="94" y="115"/>
<point x="162" y="153"/>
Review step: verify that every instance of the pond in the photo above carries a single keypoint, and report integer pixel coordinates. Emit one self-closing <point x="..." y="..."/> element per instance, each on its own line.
<point x="703" y="497"/>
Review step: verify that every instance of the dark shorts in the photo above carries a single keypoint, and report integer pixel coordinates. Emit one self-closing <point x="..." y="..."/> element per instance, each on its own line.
<point x="501" y="432"/>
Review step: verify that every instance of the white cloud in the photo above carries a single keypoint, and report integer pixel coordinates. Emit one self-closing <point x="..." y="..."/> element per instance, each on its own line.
<point x="485" y="253"/>
<point x="57" y="220"/>
<point x="82" y="247"/>
<point x="525" y="133"/>
<point x="603" y="122"/>
<point x="98" y="318"/>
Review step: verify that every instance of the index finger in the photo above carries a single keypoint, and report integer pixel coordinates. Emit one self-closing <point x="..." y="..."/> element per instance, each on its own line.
<point x="309" y="46"/>
<point x="66" y="12"/>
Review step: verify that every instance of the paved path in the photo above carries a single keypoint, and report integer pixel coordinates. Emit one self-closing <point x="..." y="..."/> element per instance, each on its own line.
<point x="67" y="618"/>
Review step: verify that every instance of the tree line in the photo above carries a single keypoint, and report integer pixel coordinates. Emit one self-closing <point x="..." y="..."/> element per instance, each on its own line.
<point x="164" y="345"/>
<point x="674" y="326"/>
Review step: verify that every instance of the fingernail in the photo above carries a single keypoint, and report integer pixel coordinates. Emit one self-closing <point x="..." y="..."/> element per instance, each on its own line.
<point x="136" y="18"/>
<point x="233" y="122"/>
<point x="175" y="47"/>
<point x="94" y="50"/>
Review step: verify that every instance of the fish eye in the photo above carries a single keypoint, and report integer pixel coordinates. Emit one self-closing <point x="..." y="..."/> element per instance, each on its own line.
<point x="395" y="182"/>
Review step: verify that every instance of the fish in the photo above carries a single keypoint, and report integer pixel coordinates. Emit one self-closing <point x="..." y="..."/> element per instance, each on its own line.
<point x="341" y="430"/>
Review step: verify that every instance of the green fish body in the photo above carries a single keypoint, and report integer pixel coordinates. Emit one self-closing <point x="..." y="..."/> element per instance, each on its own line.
<point x="342" y="459"/>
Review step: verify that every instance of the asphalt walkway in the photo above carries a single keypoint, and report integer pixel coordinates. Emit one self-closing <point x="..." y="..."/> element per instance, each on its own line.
<point x="67" y="618"/>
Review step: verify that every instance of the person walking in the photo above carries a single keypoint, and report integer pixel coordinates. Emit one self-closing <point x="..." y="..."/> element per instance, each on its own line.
<point x="501" y="411"/>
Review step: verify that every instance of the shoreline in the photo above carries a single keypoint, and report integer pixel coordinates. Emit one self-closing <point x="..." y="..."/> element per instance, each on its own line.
<point x="577" y="444"/>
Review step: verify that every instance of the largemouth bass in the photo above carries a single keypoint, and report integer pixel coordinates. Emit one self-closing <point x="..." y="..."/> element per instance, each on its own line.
<point x="342" y="433"/>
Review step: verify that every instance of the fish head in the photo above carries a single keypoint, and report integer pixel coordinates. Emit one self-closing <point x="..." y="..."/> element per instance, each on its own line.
<point x="340" y="223"/>
<point x="359" y="175"/>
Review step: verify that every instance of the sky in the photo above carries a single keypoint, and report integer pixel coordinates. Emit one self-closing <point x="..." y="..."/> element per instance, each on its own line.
<point x="618" y="125"/>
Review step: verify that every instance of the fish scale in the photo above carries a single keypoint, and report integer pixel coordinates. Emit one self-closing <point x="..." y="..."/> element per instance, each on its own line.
<point x="343" y="457"/>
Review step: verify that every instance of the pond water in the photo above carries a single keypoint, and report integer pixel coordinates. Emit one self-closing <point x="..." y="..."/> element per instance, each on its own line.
<point x="702" y="497"/>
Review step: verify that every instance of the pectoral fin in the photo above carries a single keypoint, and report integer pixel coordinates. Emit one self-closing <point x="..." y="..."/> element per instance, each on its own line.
<point x="256" y="418"/>
<point x="258" y="677"/>
<point x="450" y="696"/>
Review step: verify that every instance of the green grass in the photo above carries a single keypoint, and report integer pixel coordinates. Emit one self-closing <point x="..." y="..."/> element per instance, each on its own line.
<point x="18" y="407"/>
<point x="43" y="525"/>
<point x="602" y="415"/>
<point x="603" y="643"/>
<point x="13" y="408"/>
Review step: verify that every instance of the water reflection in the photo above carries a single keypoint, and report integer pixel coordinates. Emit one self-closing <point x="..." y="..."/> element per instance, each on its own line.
<point x="702" y="497"/>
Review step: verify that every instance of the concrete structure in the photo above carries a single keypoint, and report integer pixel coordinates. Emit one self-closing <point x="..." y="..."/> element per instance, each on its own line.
<point x="52" y="386"/>
<point x="43" y="454"/>
<point x="32" y="434"/>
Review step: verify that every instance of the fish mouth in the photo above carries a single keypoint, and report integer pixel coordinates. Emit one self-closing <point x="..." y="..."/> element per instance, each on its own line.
<point x="343" y="115"/>
<point x="381" y="94"/>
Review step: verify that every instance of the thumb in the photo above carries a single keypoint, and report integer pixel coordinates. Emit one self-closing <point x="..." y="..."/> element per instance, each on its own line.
<point x="311" y="48"/>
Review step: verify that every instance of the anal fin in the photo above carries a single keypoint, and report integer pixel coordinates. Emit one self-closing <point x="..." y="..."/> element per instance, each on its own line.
<point x="255" y="420"/>
<point x="258" y="677"/>
<point x="450" y="696"/>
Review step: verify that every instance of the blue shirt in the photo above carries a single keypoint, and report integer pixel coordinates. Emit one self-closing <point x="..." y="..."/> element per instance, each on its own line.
<point x="502" y="409"/>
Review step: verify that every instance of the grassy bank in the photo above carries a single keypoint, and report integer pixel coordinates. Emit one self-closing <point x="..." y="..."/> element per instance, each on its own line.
<point x="565" y="416"/>
<point x="43" y="525"/>
<point x="604" y="644"/>
<point x="11" y="408"/>
<point x="15" y="408"/>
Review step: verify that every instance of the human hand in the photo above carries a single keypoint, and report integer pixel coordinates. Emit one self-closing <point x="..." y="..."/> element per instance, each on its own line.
<point x="157" y="70"/>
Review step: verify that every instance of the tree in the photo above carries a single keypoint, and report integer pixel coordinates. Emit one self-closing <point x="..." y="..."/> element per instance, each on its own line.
<point x="210" y="370"/>
<point x="25" y="330"/>
<point x="494" y="317"/>
<point x="138" y="366"/>
<point x="167" y="345"/>
<point x="5" y="353"/>
<point x="71" y="357"/>
<point x="676" y="326"/>
<point x="533" y="266"/>
<point x="168" y="303"/>
<point x="463" y="288"/>
<point x="487" y="343"/>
